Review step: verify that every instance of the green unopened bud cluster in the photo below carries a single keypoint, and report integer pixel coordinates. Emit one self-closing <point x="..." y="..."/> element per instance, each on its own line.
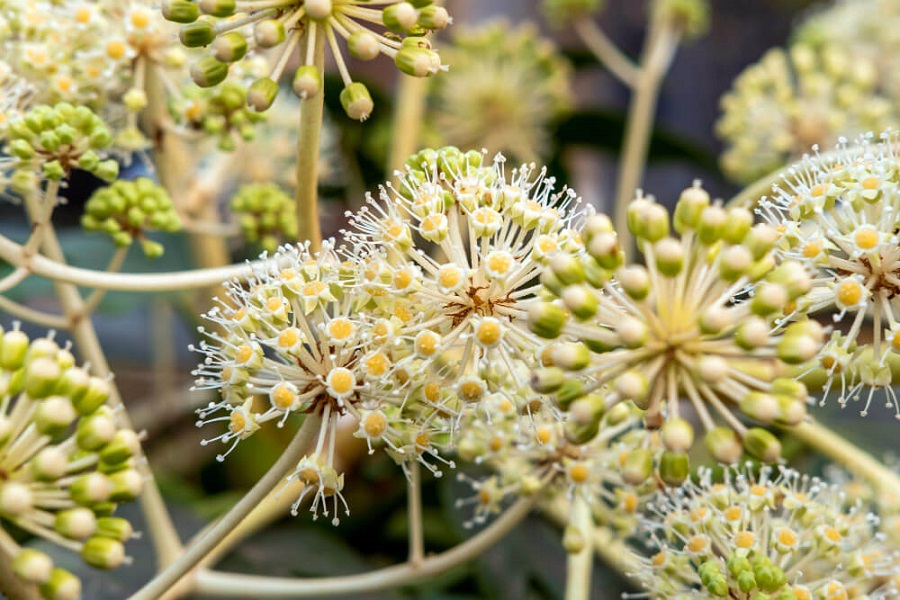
<point x="562" y="12"/>
<point x="266" y="214"/>
<point x="696" y="322"/>
<point x="53" y="140"/>
<point x="206" y="24"/>
<point x="67" y="462"/>
<point x="221" y="112"/>
<point x="126" y="210"/>
<point x="774" y="535"/>
<point x="689" y="17"/>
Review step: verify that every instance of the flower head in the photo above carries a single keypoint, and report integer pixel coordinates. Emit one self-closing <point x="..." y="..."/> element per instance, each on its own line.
<point x="838" y="213"/>
<point x="231" y="32"/>
<point x="66" y="461"/>
<point x="506" y="87"/>
<point x="777" y="533"/>
<point x="266" y="214"/>
<point x="452" y="253"/>
<point x="696" y="321"/>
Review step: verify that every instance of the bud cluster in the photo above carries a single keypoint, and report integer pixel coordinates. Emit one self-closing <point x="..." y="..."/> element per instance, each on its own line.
<point x="65" y="460"/>
<point x="53" y="140"/>
<point x="777" y="535"/>
<point x="126" y="210"/>
<point x="697" y="321"/>
<point x="266" y="214"/>
<point x="209" y="23"/>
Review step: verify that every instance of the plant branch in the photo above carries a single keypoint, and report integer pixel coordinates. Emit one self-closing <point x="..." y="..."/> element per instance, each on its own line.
<point x="606" y="51"/>
<point x="409" y="113"/>
<point x="416" y="534"/>
<point x="580" y="565"/>
<point x="32" y="315"/>
<point x="659" y="50"/>
<point x="94" y="298"/>
<point x="306" y="197"/>
<point x="860" y="463"/>
<point x="199" y="548"/>
<point x="237" y="585"/>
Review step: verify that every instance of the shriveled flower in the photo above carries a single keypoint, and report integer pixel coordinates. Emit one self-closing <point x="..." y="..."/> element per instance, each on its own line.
<point x="696" y="321"/>
<point x="66" y="461"/>
<point x="776" y="534"/>
<point x="838" y="213"/>
<point x="791" y="100"/>
<point x="452" y="252"/>
<point x="232" y="30"/>
<point x="505" y="89"/>
<point x="295" y="341"/>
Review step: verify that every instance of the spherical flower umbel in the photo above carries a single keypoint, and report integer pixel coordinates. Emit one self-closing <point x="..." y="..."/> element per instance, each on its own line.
<point x="505" y="89"/>
<point x="452" y="253"/>
<point x="231" y="30"/>
<point x="838" y="213"/>
<point x="66" y="462"/>
<point x="265" y="213"/>
<point x="696" y="321"/>
<point x="777" y="534"/>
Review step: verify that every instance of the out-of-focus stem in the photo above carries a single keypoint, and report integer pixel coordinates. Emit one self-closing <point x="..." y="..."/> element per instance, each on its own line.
<point x="306" y="197"/>
<point x="580" y="565"/>
<point x="416" y="533"/>
<point x="409" y="113"/>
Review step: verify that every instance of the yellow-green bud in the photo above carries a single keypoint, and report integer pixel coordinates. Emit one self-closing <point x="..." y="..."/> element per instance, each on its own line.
<point x="417" y="61"/>
<point x="711" y="224"/>
<point x="568" y="392"/>
<point x="566" y="268"/>
<point x="547" y="380"/>
<point x="124" y="445"/>
<point x="269" y="33"/>
<point x="677" y="435"/>
<point x="230" y="47"/>
<point x="634" y="281"/>
<point x="217" y="8"/>
<point x="363" y="44"/>
<point x="32" y="565"/>
<point x="103" y="553"/>
<point x="261" y="94"/>
<point x="760" y="406"/>
<point x="61" y="585"/>
<point x="401" y="17"/>
<point x="761" y="239"/>
<point x="356" y="101"/>
<point x="737" y="224"/>
<point x="180" y="11"/>
<point x="96" y="431"/>
<point x="669" y="255"/>
<point x="796" y="349"/>
<point x="734" y="262"/>
<point x="724" y="445"/>
<point x="54" y="415"/>
<point x="633" y="385"/>
<point x="76" y="523"/>
<point x="319" y="10"/>
<point x="13" y="347"/>
<point x="752" y="333"/>
<point x="15" y="499"/>
<point x="208" y="72"/>
<point x="41" y="377"/>
<point x="573" y="540"/>
<point x="546" y="319"/>
<point x="638" y="466"/>
<point x="114" y="528"/>
<point x="674" y="467"/>
<point x="127" y="485"/>
<point x="434" y="18"/>
<point x="581" y="301"/>
<point x="91" y="488"/>
<point x="648" y="220"/>
<point x="571" y="356"/>
<point x="49" y="464"/>
<point x="689" y="208"/>
<point x="762" y="445"/>
<point x="94" y="396"/>
<point x="197" y="34"/>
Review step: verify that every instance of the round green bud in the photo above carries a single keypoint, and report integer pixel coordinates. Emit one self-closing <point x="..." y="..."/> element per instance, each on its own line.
<point x="103" y="553"/>
<point x="760" y="406"/>
<point x="573" y="540"/>
<point x="208" y="72"/>
<point x="49" y="464"/>
<point x="53" y="170"/>
<point x="638" y="466"/>
<point x="604" y="248"/>
<point x="633" y="385"/>
<point x="762" y="445"/>
<point x="107" y="170"/>
<point x="319" y="10"/>
<point x="180" y="11"/>
<point x="32" y="565"/>
<point x="581" y="301"/>
<point x="417" y="61"/>
<point x="711" y="224"/>
<point x="635" y="281"/>
<point x="91" y="488"/>
<point x="261" y="94"/>
<point x="21" y="149"/>
<point x="114" y="528"/>
<point x="401" y="17"/>
<point x="571" y="356"/>
<point x="76" y="523"/>
<point x="677" y="435"/>
<point x="737" y="224"/>
<point x="669" y="255"/>
<point x="127" y="485"/>
<point x="547" y="380"/>
<point x="363" y="44"/>
<point x="41" y="377"/>
<point x="124" y="445"/>
<point x="61" y="585"/>
<point x="724" y="445"/>
<point x="54" y="415"/>
<point x="229" y="47"/>
<point x="307" y="81"/>
<point x="13" y="348"/>
<point x="217" y="8"/>
<point x="568" y="392"/>
<point x="94" y="396"/>
<point x="269" y="33"/>
<point x="674" y="468"/>
<point x="89" y="161"/>
<point x="356" y="101"/>
<point x="96" y="431"/>
<point x="434" y="18"/>
<point x="546" y="319"/>
<point x="197" y="34"/>
<point x="16" y="499"/>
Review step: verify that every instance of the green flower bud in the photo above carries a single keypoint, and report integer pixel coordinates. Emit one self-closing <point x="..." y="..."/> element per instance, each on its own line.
<point x="604" y="248"/>
<point x="568" y="392"/>
<point x="633" y="385"/>
<point x="21" y="149"/>
<point x="53" y="415"/>
<point x="13" y="348"/>
<point x="635" y="281"/>
<point x="356" y="101"/>
<point x="752" y="333"/>
<point x="434" y="18"/>
<point x="107" y="170"/>
<point x="229" y="47"/>
<point x="217" y="8"/>
<point x="61" y="585"/>
<point x="103" y="553"/>
<point x="566" y="268"/>
<point x="760" y="406"/>
<point x="49" y="464"/>
<point x="180" y="11"/>
<point x="94" y="396"/>
<point x="648" y="220"/>
<point x="724" y="445"/>
<point x="89" y="161"/>
<point x="96" y="431"/>
<point x="195" y="35"/>
<point x="16" y="499"/>
<point x="208" y="72"/>
<point x="761" y="239"/>
<point x="307" y="81"/>
<point x="114" y="528"/>
<point x="711" y="225"/>
<point x="674" y="468"/>
<point x="571" y="356"/>
<point x="417" y="61"/>
<point x="261" y="94"/>
<point x="75" y="523"/>
<point x="762" y="445"/>
<point x="41" y="377"/>
<point x="127" y="485"/>
<point x="638" y="466"/>
<point x="581" y="301"/>
<point x="547" y="380"/>
<point x="32" y="565"/>
<point x="677" y="435"/>
<point x="669" y="255"/>
<point x="53" y="170"/>
<point x="797" y="349"/>
<point x="401" y="17"/>
<point x="269" y="33"/>
<point x="578" y="434"/>
<point x="690" y="206"/>
<point x="734" y="262"/>
<point x="546" y="319"/>
<point x="91" y="488"/>
<point x="573" y="540"/>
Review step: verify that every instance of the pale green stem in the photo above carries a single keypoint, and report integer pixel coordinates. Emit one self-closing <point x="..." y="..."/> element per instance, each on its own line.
<point x="243" y="586"/>
<point x="580" y="565"/>
<point x="306" y="197"/>
<point x="162" y="531"/>
<point x="202" y="546"/>
<point x="94" y="298"/>
<point x="416" y="534"/>
<point x="11" y="586"/>
<point x="409" y="114"/>
<point x="38" y="317"/>
<point x="606" y="51"/>
<point x="855" y="460"/>
<point x="659" y="50"/>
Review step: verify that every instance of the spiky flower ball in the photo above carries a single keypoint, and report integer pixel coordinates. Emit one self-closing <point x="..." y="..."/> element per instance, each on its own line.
<point x="839" y="214"/>
<point x="452" y="253"/>
<point x="126" y="210"/>
<point x="53" y="140"/>
<point x="792" y="100"/>
<point x="505" y="89"/>
<point x="777" y="534"/>
<point x="231" y="30"/>
<point x="266" y="214"/>
<point x="66" y="462"/>
<point x="295" y="341"/>
<point x="694" y="322"/>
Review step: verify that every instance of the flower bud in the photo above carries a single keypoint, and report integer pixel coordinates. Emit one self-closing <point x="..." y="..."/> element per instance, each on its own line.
<point x="669" y="256"/>
<point x="568" y="392"/>
<point x="61" y="585"/>
<point x="689" y="208"/>
<point x="760" y="406"/>
<point x="401" y="17"/>
<point x="674" y="468"/>
<point x="417" y="61"/>
<point x="761" y="239"/>
<point x="54" y="415"/>
<point x="573" y="540"/>
<point x="571" y="356"/>
<point x="49" y="464"/>
<point x="41" y="377"/>
<point x="762" y="445"/>
<point x="208" y="72"/>
<point x="356" y="101"/>
<point x="261" y="94"/>
<point x="197" y="34"/>
<point x="180" y="11"/>
<point x="217" y="8"/>
<point x="632" y="332"/>
<point x="76" y="523"/>
<point x="94" y="396"/>
<point x="547" y="380"/>
<point x="546" y="319"/>
<point x="269" y="33"/>
<point x="633" y="385"/>
<point x="752" y="333"/>
<point x="13" y="346"/>
<point x="604" y="248"/>
<point x="737" y="224"/>
<point x="677" y="435"/>
<point x="230" y="47"/>
<point x="796" y="349"/>
<point x="634" y="281"/>
<point x="579" y="434"/>
<point x="32" y="565"/>
<point x="434" y="18"/>
<point x="638" y="466"/>
<point x="127" y="485"/>
<point x="581" y="301"/>
<point x="363" y="44"/>
<point x="91" y="488"/>
<point x="566" y="268"/>
<point x="724" y="445"/>
<point x="95" y="431"/>
<point x="124" y="444"/>
<point x="595" y="225"/>
<point x="648" y="220"/>
<point x="587" y="410"/>
<point x="103" y="553"/>
<point x="734" y="262"/>
<point x="711" y="225"/>
<point x="15" y="499"/>
<point x="114" y="528"/>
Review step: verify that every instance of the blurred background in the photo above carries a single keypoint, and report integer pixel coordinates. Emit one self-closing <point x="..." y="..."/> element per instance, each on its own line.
<point x="146" y="337"/>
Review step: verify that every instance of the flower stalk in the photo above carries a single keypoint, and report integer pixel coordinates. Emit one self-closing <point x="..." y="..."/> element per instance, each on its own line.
<point x="306" y="196"/>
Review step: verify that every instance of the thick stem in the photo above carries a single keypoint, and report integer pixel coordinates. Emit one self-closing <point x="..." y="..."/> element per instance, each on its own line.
<point x="416" y="534"/>
<point x="409" y="113"/>
<point x="242" y="586"/>
<point x="849" y="456"/>
<point x="306" y="196"/>
<point x="162" y="531"/>
<point x="662" y="42"/>
<point x="38" y="317"/>
<point x="580" y="565"/>
<point x="195" y="552"/>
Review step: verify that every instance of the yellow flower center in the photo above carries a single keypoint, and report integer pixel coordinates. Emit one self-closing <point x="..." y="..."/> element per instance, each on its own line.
<point x="866" y="239"/>
<point x="283" y="396"/>
<point x="289" y="338"/>
<point x="374" y="424"/>
<point x="341" y="329"/>
<point x="579" y="473"/>
<point x="340" y="382"/>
